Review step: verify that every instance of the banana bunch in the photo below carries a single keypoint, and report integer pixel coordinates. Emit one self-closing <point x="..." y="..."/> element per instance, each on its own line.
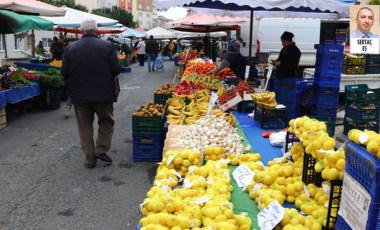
<point x="175" y="106"/>
<point x="175" y="119"/>
<point x="202" y="96"/>
<point x="231" y="119"/>
<point x="180" y="113"/>
<point x="221" y="90"/>
<point x="265" y="100"/>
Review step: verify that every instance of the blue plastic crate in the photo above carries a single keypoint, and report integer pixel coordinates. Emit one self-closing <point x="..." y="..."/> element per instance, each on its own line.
<point x="323" y="60"/>
<point x="146" y="139"/>
<point x="330" y="49"/>
<point x="271" y="119"/>
<point x="372" y="69"/>
<point x="148" y="154"/>
<point x="329" y="70"/>
<point x="364" y="168"/>
<point x="327" y="80"/>
<point x="355" y="112"/>
<point x="372" y="59"/>
<point x="147" y="147"/>
<point x="329" y="111"/>
<point x="349" y="124"/>
<point x="326" y="96"/>
<point x="373" y="222"/>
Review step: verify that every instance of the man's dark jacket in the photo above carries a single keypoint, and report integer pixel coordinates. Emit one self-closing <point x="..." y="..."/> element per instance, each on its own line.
<point x="237" y="63"/>
<point x="290" y="58"/>
<point x="151" y="46"/>
<point x="89" y="67"/>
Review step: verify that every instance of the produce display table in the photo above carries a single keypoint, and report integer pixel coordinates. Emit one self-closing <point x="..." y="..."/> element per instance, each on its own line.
<point x="12" y="96"/>
<point x="36" y="66"/>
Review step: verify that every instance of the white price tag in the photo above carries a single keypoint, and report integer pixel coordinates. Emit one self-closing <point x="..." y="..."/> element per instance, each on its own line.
<point x="243" y="175"/>
<point x="202" y="200"/>
<point x="170" y="160"/>
<point x="213" y="99"/>
<point x="256" y="187"/>
<point x="247" y="68"/>
<point x="363" y="137"/>
<point x="270" y="216"/>
<point x="306" y="190"/>
<point x="187" y="183"/>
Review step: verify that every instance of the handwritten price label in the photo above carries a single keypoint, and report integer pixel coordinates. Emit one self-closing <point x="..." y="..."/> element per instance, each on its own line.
<point x="270" y="216"/>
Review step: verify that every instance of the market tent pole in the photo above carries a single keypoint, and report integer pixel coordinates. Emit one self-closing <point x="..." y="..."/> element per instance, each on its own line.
<point x="5" y="45"/>
<point x="250" y="37"/>
<point x="33" y="46"/>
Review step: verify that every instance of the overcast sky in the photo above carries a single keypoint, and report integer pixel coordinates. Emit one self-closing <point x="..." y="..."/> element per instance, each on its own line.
<point x="173" y="13"/>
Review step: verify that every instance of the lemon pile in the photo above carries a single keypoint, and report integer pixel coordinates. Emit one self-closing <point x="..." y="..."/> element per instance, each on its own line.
<point x="202" y="201"/>
<point x="369" y="138"/>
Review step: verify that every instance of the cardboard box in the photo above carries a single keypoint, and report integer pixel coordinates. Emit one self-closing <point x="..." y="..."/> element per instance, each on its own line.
<point x="231" y="102"/>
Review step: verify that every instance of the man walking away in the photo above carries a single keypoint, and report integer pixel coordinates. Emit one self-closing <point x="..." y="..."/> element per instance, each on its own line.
<point x="151" y="49"/>
<point x="89" y="68"/>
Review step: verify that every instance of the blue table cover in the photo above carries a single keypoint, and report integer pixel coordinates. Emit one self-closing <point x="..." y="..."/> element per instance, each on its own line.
<point x="36" y="66"/>
<point x="12" y="96"/>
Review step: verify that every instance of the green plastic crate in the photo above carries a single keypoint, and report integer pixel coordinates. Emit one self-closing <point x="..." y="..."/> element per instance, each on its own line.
<point x="148" y="125"/>
<point x="361" y="94"/>
<point x="161" y="98"/>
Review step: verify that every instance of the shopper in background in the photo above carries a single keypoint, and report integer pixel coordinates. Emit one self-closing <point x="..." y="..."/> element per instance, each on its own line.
<point x="289" y="58"/>
<point x="234" y="45"/>
<point x="40" y="50"/>
<point x="127" y="51"/>
<point x="141" y="51"/>
<point x="151" y="49"/>
<point x="364" y="22"/>
<point x="215" y="50"/>
<point x="56" y="49"/>
<point x="171" y="47"/>
<point x="89" y="68"/>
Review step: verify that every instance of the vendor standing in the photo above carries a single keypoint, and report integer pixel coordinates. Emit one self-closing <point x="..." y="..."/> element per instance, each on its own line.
<point x="289" y="58"/>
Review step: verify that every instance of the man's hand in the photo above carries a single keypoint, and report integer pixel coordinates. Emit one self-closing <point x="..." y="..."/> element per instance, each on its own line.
<point x="276" y="63"/>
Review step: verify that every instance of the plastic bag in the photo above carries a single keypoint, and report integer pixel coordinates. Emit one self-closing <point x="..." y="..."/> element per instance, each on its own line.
<point x="278" y="139"/>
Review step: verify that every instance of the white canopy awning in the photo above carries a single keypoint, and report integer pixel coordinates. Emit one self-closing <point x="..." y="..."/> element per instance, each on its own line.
<point x="73" y="18"/>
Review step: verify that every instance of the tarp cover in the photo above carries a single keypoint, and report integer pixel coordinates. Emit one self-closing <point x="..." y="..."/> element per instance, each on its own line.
<point x="11" y="22"/>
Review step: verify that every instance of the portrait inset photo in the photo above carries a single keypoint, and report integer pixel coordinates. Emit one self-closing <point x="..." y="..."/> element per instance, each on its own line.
<point x="364" y="21"/>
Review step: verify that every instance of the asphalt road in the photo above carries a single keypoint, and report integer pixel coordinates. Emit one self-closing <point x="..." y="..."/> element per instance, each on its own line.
<point x="43" y="182"/>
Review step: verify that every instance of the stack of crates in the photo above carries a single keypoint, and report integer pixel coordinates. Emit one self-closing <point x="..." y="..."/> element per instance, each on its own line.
<point x="372" y="65"/>
<point x="354" y="64"/>
<point x="300" y="89"/>
<point x="147" y="138"/>
<point x="360" y="199"/>
<point x="327" y="79"/>
<point x="361" y="108"/>
<point x="340" y="36"/>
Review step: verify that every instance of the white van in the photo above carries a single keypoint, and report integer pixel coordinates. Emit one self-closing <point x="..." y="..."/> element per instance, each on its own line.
<point x="306" y="35"/>
<point x="266" y="36"/>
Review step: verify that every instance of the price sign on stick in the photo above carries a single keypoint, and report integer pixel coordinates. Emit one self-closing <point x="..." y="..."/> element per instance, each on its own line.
<point x="213" y="99"/>
<point x="270" y="216"/>
<point x="246" y="75"/>
<point x="269" y="73"/>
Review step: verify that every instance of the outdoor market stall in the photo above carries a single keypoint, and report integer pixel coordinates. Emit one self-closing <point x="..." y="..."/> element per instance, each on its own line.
<point x="207" y="181"/>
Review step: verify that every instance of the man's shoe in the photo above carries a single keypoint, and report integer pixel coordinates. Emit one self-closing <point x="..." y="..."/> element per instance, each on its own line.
<point x="103" y="157"/>
<point x="90" y="163"/>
